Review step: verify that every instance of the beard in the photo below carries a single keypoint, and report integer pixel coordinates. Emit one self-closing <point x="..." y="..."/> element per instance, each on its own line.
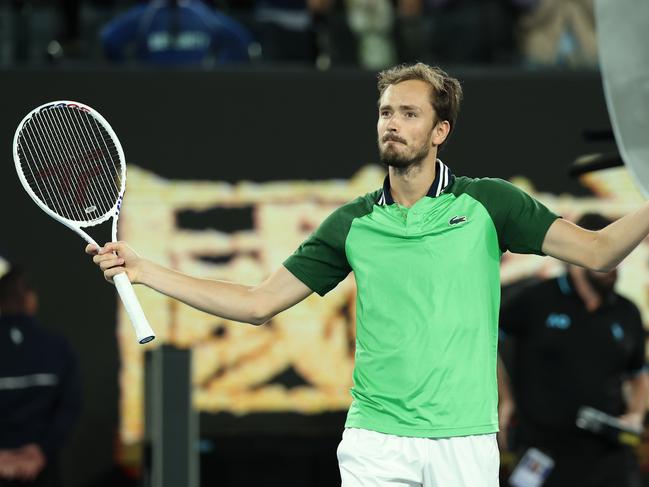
<point x="603" y="287"/>
<point x="392" y="158"/>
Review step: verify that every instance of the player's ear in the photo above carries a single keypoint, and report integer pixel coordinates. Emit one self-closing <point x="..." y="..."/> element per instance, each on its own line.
<point x="440" y="132"/>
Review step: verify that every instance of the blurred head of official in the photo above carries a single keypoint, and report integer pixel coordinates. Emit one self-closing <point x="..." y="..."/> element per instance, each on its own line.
<point x="17" y="296"/>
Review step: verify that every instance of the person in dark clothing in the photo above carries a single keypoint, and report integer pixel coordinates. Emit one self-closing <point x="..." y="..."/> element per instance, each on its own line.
<point x="292" y="30"/>
<point x="575" y="342"/>
<point x="39" y="389"/>
<point x="175" y="32"/>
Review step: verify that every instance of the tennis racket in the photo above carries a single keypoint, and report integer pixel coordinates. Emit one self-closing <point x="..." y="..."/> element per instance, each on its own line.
<point x="71" y="163"/>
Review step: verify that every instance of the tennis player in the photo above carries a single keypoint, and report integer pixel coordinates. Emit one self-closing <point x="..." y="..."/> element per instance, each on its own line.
<point x="425" y="250"/>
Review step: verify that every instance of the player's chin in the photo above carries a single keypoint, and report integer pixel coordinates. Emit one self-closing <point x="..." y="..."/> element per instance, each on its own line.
<point x="392" y="157"/>
<point x="396" y="162"/>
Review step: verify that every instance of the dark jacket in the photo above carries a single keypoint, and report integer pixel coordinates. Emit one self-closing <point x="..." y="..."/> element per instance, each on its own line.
<point x="40" y="393"/>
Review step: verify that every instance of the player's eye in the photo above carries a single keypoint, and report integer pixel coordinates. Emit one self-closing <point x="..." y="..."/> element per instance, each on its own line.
<point x="385" y="113"/>
<point x="411" y="114"/>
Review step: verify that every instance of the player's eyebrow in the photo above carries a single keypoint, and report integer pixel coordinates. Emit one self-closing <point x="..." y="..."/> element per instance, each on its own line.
<point x="403" y="108"/>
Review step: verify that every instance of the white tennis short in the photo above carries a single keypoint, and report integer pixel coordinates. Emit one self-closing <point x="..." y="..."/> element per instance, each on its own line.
<point x="370" y="459"/>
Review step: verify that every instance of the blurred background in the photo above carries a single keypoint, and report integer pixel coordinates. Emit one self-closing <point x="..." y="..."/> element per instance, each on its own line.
<point x="245" y="123"/>
<point x="320" y="34"/>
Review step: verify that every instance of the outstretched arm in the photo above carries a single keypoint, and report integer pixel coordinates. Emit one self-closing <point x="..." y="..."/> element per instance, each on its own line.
<point x="599" y="250"/>
<point x="248" y="304"/>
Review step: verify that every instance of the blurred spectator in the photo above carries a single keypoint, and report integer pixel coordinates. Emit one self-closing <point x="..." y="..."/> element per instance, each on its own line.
<point x="413" y="32"/>
<point x="39" y="390"/>
<point x="59" y="37"/>
<point x="68" y="40"/>
<point x="177" y="32"/>
<point x="372" y="21"/>
<point x="289" y="30"/>
<point x="4" y="266"/>
<point x="576" y="342"/>
<point x="558" y="32"/>
<point x="369" y="33"/>
<point x="456" y="31"/>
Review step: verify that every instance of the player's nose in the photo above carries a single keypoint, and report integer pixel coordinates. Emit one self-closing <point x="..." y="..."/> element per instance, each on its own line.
<point x="392" y="125"/>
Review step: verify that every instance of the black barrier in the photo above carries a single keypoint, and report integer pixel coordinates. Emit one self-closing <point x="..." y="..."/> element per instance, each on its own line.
<point x="171" y="426"/>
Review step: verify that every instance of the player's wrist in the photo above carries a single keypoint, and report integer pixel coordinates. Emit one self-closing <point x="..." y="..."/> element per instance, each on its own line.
<point x="140" y="272"/>
<point x="145" y="271"/>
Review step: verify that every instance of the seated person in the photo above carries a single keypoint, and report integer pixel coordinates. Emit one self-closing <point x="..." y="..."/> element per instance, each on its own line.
<point x="177" y="32"/>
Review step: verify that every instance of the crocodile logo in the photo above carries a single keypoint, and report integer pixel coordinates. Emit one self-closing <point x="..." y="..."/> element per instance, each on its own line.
<point x="456" y="220"/>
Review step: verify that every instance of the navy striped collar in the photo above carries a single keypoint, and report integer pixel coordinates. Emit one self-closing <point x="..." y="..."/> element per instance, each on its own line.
<point x="443" y="178"/>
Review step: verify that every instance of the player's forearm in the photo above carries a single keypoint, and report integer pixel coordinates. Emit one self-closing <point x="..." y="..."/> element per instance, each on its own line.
<point x="224" y="299"/>
<point x="638" y="394"/>
<point x="617" y="240"/>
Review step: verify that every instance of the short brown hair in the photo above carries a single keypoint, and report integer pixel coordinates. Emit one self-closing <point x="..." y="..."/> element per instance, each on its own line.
<point x="445" y="93"/>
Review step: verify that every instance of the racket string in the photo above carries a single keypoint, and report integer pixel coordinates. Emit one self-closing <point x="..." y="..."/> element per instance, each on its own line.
<point x="73" y="153"/>
<point x="59" y="165"/>
<point x="115" y="175"/>
<point x="22" y="155"/>
<point x="64" y="171"/>
<point x="104" y="137"/>
<point x="74" y="164"/>
<point x="101" y="195"/>
<point x="85" y="172"/>
<point x="38" y="154"/>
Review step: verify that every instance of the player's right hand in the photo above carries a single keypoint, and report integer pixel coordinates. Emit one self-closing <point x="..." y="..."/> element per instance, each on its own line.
<point x="114" y="258"/>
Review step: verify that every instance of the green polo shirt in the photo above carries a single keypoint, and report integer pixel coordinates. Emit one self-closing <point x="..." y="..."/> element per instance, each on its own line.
<point x="428" y="295"/>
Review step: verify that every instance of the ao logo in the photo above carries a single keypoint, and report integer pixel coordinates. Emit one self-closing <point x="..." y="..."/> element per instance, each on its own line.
<point x="617" y="331"/>
<point x="558" y="320"/>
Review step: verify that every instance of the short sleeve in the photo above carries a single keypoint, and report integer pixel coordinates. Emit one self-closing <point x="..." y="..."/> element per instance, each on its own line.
<point x="521" y="221"/>
<point x="321" y="262"/>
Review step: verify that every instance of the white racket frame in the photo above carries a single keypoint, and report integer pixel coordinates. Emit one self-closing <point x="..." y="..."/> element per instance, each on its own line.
<point x="143" y="330"/>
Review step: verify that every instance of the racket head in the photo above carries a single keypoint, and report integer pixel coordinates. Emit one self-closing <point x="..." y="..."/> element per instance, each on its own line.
<point x="71" y="163"/>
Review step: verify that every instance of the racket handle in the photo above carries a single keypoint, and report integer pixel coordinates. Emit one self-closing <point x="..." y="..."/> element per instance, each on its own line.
<point x="124" y="287"/>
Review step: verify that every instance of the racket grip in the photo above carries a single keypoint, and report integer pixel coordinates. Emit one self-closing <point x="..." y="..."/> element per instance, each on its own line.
<point x="124" y="287"/>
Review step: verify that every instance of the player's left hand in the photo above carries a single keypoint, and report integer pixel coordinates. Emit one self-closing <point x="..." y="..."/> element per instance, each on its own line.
<point x="114" y="258"/>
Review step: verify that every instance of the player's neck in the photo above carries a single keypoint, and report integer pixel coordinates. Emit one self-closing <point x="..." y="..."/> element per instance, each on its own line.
<point x="411" y="184"/>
